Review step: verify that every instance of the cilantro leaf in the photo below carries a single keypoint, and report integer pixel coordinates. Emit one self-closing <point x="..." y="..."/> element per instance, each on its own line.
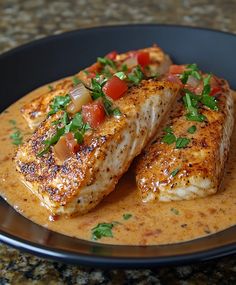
<point x="102" y="230"/>
<point x="191" y="70"/>
<point x="50" y="87"/>
<point x="190" y="101"/>
<point x="136" y="75"/>
<point x="76" y="81"/>
<point x="169" y="138"/>
<point x="174" y="172"/>
<point x="127" y="216"/>
<point x="182" y="142"/>
<point x="206" y="99"/>
<point x="106" y="61"/>
<point x="124" y="68"/>
<point x="168" y="130"/>
<point x="192" y="129"/>
<point x="16" y="137"/>
<point x="59" y="103"/>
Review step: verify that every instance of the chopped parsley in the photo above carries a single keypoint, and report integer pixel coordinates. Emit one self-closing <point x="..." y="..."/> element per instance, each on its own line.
<point x="124" y="68"/>
<point x="106" y="61"/>
<point x="191" y="103"/>
<point x="76" y="126"/>
<point x="76" y="81"/>
<point x="206" y="99"/>
<point x="182" y="142"/>
<point x="175" y="211"/>
<point x="16" y="137"/>
<point x="169" y="138"/>
<point x="102" y="230"/>
<point x="136" y="75"/>
<point x="98" y="93"/>
<point x="127" y="216"/>
<point x="174" y="172"/>
<point x="59" y="103"/>
<point x="168" y="130"/>
<point x="192" y="129"/>
<point x="50" y="87"/>
<point x="192" y="70"/>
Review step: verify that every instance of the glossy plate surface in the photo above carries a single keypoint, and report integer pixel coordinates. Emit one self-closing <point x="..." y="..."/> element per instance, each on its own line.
<point x="35" y="64"/>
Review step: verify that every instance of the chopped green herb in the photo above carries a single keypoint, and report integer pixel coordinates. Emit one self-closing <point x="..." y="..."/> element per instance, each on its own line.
<point x="86" y="72"/>
<point x="124" y="68"/>
<point x="76" y="125"/>
<point x="50" y="87"/>
<point x="182" y="142"/>
<point x="16" y="137"/>
<point x="191" y="70"/>
<point x="76" y="81"/>
<point x="168" y="130"/>
<point x="98" y="93"/>
<point x="59" y="103"/>
<point x="206" y="99"/>
<point x="174" y="172"/>
<point x="106" y="72"/>
<point x="12" y="122"/>
<point x="136" y="75"/>
<point x="192" y="129"/>
<point x="210" y="102"/>
<point x="106" y="61"/>
<point x="96" y="89"/>
<point x="190" y="101"/>
<point x="116" y="112"/>
<point x="127" y="216"/>
<point x="53" y="140"/>
<point x="169" y="138"/>
<point x="120" y="75"/>
<point x="102" y="230"/>
<point x="175" y="211"/>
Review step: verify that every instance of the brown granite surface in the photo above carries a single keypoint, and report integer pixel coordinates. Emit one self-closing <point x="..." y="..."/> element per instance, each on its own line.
<point x="22" y="21"/>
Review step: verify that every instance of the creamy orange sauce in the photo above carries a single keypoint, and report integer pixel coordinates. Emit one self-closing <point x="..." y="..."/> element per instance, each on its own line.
<point x="155" y="223"/>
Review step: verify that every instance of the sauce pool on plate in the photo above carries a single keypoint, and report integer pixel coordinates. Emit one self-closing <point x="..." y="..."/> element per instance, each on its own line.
<point x="125" y="217"/>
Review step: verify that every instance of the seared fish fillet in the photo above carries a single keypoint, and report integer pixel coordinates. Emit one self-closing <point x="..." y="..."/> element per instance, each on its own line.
<point x="82" y="181"/>
<point x="167" y="173"/>
<point x="36" y="111"/>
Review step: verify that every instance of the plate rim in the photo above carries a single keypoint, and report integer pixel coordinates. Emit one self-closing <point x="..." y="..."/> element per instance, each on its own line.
<point x="74" y="31"/>
<point x="93" y="259"/>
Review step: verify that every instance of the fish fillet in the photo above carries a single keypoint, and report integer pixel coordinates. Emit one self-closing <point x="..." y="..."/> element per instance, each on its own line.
<point x="166" y="173"/>
<point x="36" y="111"/>
<point x="82" y="181"/>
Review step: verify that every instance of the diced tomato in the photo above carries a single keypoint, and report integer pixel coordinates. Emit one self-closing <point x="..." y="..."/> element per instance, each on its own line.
<point x="112" y="55"/>
<point x="143" y="58"/>
<point x="91" y="75"/>
<point x="93" y="113"/>
<point x="215" y="90"/>
<point x="176" y="69"/>
<point x="115" y="88"/>
<point x="94" y="67"/>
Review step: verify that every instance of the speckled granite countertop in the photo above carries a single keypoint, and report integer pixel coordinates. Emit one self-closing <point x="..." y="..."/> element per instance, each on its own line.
<point x="22" y="21"/>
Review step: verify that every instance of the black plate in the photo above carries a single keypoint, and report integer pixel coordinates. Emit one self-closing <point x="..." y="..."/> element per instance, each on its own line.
<point x="35" y="64"/>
